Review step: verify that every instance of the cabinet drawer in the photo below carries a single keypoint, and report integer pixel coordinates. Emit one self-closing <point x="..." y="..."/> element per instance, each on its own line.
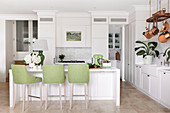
<point x="150" y="70"/>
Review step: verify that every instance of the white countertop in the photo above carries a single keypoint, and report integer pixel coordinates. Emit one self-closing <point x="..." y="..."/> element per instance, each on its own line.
<point x="158" y="67"/>
<point x="69" y="63"/>
<point x="66" y="69"/>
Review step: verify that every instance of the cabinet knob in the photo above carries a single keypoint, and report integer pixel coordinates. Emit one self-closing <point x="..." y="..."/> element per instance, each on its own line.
<point x="148" y="75"/>
<point x="164" y="73"/>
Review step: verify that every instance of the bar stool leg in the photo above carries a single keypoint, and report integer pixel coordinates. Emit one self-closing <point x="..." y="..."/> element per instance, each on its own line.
<point x="28" y="93"/>
<point x="85" y="91"/>
<point x="60" y="95"/>
<point x="87" y="102"/>
<point x="40" y="94"/>
<point x="15" y="93"/>
<point x="65" y="91"/>
<point x="71" y="94"/>
<point x="46" y="102"/>
<point x="23" y="108"/>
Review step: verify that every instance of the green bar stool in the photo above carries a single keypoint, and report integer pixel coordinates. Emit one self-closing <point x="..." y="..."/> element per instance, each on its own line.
<point x="21" y="77"/>
<point x="78" y="74"/>
<point x="54" y="74"/>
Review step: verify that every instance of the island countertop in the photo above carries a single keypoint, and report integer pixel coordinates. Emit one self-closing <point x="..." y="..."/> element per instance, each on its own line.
<point x="104" y="84"/>
<point x="66" y="69"/>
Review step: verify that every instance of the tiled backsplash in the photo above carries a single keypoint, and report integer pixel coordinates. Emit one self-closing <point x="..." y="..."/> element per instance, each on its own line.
<point x="72" y="53"/>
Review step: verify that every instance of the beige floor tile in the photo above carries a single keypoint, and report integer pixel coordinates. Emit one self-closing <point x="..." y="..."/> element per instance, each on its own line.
<point x="132" y="101"/>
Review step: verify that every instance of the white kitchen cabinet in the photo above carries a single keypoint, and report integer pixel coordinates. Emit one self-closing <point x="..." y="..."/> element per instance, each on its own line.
<point x="100" y="39"/>
<point x="127" y="75"/>
<point x="25" y="31"/>
<point x="100" y="31"/>
<point x="138" y="77"/>
<point x="154" y="87"/>
<point x="165" y="88"/>
<point x="99" y="47"/>
<point x="146" y="82"/>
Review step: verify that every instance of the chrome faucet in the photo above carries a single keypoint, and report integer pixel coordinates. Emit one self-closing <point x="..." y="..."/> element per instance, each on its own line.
<point x="166" y="62"/>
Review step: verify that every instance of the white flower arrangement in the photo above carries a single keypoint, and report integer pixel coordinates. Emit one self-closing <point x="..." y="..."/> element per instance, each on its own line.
<point x="32" y="58"/>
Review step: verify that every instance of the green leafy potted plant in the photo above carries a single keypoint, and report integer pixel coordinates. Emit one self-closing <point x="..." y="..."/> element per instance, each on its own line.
<point x="148" y="51"/>
<point x="167" y="53"/>
<point x="61" y="57"/>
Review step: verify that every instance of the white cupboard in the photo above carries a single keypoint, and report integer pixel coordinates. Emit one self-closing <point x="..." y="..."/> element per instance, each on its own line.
<point x="153" y="81"/>
<point x="146" y="82"/>
<point x="165" y="88"/>
<point x="100" y="37"/>
<point x="138" y="76"/>
<point x="154" y="87"/>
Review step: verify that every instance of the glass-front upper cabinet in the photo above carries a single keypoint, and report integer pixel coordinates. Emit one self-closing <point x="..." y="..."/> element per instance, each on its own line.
<point x="26" y="32"/>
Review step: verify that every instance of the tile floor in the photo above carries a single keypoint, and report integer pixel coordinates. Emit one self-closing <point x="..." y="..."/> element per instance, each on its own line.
<point x="132" y="101"/>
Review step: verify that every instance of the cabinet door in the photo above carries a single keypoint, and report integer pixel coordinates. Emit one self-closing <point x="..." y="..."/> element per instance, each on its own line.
<point x="165" y="88"/>
<point x="25" y="33"/>
<point x="138" y="76"/>
<point x="154" y="87"/>
<point x="146" y="82"/>
<point x="127" y="53"/>
<point x="100" y="31"/>
<point x="100" y="40"/>
<point x="99" y="46"/>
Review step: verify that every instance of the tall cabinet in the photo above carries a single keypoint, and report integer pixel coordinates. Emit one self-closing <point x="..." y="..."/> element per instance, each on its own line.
<point x="47" y="31"/>
<point x="134" y="30"/>
<point x="100" y="36"/>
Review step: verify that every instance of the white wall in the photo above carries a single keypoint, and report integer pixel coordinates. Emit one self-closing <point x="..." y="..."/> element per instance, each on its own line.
<point x="2" y="51"/>
<point x="9" y="45"/>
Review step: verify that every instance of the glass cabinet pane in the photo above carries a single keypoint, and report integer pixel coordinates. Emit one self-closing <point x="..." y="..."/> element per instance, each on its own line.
<point x="22" y="36"/>
<point x="35" y="29"/>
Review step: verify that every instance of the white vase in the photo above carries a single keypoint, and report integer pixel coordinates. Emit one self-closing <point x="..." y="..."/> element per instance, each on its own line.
<point x="31" y="65"/>
<point x="148" y="59"/>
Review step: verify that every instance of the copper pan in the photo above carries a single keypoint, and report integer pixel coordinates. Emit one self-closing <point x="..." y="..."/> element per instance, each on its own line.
<point x="155" y="30"/>
<point x="164" y="37"/>
<point x="147" y="35"/>
<point x="165" y="27"/>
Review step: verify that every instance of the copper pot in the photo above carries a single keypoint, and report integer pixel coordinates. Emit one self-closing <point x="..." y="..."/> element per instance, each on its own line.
<point x="165" y="27"/>
<point x="164" y="37"/>
<point x="155" y="30"/>
<point x="147" y="35"/>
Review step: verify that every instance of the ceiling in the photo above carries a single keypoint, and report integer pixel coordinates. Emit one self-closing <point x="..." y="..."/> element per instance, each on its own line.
<point x="26" y="6"/>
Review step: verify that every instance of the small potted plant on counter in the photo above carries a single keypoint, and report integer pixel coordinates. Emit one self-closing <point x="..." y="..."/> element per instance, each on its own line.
<point x="147" y="50"/>
<point x="167" y="53"/>
<point x="61" y="57"/>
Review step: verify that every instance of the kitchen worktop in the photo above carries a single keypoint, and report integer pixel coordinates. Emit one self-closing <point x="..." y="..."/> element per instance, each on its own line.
<point x="66" y="69"/>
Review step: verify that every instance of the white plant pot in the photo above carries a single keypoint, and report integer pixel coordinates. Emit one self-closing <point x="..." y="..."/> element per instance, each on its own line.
<point x="148" y="59"/>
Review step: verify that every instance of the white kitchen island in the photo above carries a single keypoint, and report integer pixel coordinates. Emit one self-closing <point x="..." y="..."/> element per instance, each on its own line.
<point x="104" y="84"/>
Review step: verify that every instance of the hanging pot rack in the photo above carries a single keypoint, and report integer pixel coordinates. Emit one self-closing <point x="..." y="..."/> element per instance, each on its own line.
<point x="160" y="15"/>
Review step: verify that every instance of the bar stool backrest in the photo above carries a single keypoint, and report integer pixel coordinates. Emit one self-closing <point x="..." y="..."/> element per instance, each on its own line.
<point x="20" y="75"/>
<point x="53" y="74"/>
<point x="78" y="73"/>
